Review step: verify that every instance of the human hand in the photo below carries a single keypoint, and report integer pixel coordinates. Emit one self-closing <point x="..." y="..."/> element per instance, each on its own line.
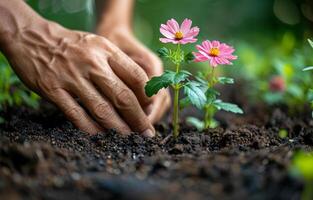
<point x="64" y="65"/>
<point x="122" y="37"/>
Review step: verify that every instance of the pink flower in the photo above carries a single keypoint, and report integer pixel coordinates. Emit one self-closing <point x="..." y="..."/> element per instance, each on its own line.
<point x="179" y="34"/>
<point x="277" y="84"/>
<point x="215" y="52"/>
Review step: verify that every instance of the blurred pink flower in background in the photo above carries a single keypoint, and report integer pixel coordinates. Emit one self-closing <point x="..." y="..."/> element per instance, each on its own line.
<point x="277" y="84"/>
<point x="178" y="34"/>
<point x="216" y="52"/>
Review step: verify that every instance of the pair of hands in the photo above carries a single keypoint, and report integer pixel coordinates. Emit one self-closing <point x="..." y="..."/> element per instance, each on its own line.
<point x="97" y="81"/>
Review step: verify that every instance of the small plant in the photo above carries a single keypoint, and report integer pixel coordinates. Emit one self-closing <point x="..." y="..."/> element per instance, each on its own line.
<point x="178" y="79"/>
<point x="310" y="93"/>
<point x="217" y="54"/>
<point x="12" y="91"/>
<point x="301" y="166"/>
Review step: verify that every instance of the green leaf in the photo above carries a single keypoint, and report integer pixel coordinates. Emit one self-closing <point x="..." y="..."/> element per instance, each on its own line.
<point x="189" y="57"/>
<point x="302" y="164"/>
<point x="310" y="42"/>
<point x="194" y="93"/>
<point x="211" y="95"/>
<point x="181" y="76"/>
<point x="183" y="103"/>
<point x="226" y="80"/>
<point x="164" y="52"/>
<point x="196" y="123"/>
<point x="157" y="83"/>
<point x="229" y="107"/>
<point x="308" y="68"/>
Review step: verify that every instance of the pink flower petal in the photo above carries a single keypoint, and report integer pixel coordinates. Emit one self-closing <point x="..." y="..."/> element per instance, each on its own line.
<point x="202" y="48"/>
<point x="167" y="33"/>
<point x="187" y="40"/>
<point x="215" y="44"/>
<point x="207" y="45"/>
<point x="185" y="26"/>
<point x="200" y="58"/>
<point x="167" y="40"/>
<point x="166" y="27"/>
<point x="213" y="62"/>
<point x="173" y="25"/>
<point x="193" y="32"/>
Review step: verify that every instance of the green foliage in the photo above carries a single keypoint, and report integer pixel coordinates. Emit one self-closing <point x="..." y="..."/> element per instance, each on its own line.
<point x="164" y="52"/>
<point x="212" y="104"/>
<point x="283" y="133"/>
<point x="229" y="107"/>
<point x="194" y="93"/>
<point x="225" y="80"/>
<point x="12" y="91"/>
<point x="308" y="68"/>
<point x="196" y="123"/>
<point x="159" y="82"/>
<point x="284" y="58"/>
<point x="189" y="57"/>
<point x="310" y="42"/>
<point x="301" y="167"/>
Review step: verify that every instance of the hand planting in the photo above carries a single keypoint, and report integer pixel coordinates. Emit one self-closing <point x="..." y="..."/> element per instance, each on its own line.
<point x="178" y="79"/>
<point x="216" y="53"/>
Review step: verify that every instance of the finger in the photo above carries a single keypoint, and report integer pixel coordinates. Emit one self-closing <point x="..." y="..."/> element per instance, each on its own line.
<point x="151" y="65"/>
<point x="131" y="74"/>
<point x="100" y="108"/>
<point x="160" y="105"/>
<point x="124" y="100"/>
<point x="73" y="111"/>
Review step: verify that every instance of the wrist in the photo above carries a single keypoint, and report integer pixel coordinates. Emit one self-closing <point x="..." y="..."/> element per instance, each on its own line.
<point x="16" y="16"/>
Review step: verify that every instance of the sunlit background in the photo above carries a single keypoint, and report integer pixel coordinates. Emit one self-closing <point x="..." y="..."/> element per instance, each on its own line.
<point x="270" y="36"/>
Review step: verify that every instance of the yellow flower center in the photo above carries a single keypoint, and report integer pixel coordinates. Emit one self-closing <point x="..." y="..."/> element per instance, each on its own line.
<point x="214" y="52"/>
<point x="179" y="35"/>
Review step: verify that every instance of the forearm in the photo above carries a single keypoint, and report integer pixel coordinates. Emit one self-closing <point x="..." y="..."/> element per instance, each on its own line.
<point x="15" y="15"/>
<point x="116" y="13"/>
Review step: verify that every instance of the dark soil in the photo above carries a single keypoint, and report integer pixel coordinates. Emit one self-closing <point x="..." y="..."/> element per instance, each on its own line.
<point x="42" y="156"/>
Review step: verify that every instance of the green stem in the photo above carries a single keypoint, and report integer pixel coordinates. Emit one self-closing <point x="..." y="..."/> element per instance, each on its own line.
<point x="208" y="115"/>
<point x="175" y="113"/>
<point x="176" y="96"/>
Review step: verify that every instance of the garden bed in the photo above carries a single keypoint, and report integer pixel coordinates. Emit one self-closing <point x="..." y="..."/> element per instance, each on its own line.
<point x="42" y="156"/>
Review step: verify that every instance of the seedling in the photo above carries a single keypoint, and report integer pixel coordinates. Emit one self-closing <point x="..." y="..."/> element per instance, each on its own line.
<point x="178" y="79"/>
<point x="216" y="53"/>
<point x="302" y="167"/>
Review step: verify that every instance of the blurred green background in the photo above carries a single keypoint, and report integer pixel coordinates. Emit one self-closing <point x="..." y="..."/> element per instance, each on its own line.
<point x="270" y="36"/>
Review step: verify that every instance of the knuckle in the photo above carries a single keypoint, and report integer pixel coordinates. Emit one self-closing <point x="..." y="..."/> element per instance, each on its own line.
<point x="103" y="112"/>
<point x="124" y="98"/>
<point x="74" y="114"/>
<point x="139" y="77"/>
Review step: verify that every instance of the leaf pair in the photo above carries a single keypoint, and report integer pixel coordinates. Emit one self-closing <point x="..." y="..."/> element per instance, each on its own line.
<point x="177" y="56"/>
<point x="192" y="89"/>
<point x="167" y="79"/>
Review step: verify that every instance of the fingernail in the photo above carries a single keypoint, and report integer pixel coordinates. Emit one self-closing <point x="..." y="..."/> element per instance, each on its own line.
<point x="148" y="133"/>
